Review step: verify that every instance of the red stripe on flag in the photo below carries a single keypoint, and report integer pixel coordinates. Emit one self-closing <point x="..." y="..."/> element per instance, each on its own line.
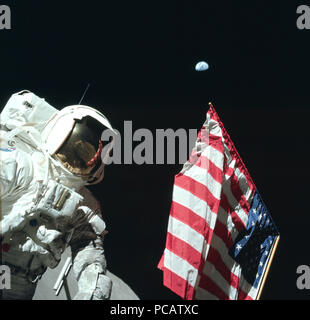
<point x="185" y="251"/>
<point x="208" y="284"/>
<point x="197" y="189"/>
<point x="191" y="219"/>
<point x="211" y="140"/>
<point x="239" y="224"/>
<point x="216" y="142"/>
<point x="161" y="262"/>
<point x="216" y="260"/>
<point x="223" y="233"/>
<point x="243" y="296"/>
<point x="236" y="191"/>
<point x="212" y="113"/>
<point x="232" y="149"/>
<point x="228" y="171"/>
<point x="216" y="173"/>
<point x="232" y="280"/>
<point x="178" y="285"/>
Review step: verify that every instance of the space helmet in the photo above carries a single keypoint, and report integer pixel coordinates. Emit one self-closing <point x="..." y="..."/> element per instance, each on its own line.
<point x="73" y="136"/>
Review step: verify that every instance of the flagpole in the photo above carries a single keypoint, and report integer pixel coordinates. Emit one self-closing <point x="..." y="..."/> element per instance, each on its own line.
<point x="267" y="268"/>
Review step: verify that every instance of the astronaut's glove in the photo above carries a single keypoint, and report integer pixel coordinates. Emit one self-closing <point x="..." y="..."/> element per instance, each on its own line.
<point x="50" y="239"/>
<point x="93" y="285"/>
<point x="89" y="268"/>
<point x="103" y="288"/>
<point x="45" y="256"/>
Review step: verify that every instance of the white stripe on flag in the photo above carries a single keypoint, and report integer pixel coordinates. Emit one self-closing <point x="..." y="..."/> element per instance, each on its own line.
<point x="226" y="219"/>
<point x="202" y="176"/>
<point x="188" y="235"/>
<point x="202" y="294"/>
<point x="213" y="126"/>
<point x="180" y="267"/>
<point x="219" y="245"/>
<point x="215" y="156"/>
<point x="217" y="278"/>
<point x="232" y="265"/>
<point x="195" y="204"/>
<point x="243" y="184"/>
<point x="249" y="289"/>
<point x="234" y="203"/>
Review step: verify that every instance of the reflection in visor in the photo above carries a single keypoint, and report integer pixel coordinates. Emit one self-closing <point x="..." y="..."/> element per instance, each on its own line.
<point x="95" y="158"/>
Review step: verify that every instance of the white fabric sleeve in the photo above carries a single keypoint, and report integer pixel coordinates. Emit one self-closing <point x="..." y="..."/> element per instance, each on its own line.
<point x="16" y="172"/>
<point x="89" y="262"/>
<point x="16" y="175"/>
<point x="8" y="169"/>
<point x="89" y="268"/>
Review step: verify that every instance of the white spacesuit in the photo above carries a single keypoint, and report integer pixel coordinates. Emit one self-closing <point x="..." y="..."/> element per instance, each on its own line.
<point x="46" y="159"/>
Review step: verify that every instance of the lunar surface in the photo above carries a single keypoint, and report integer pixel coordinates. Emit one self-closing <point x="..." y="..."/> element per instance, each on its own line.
<point x="45" y="291"/>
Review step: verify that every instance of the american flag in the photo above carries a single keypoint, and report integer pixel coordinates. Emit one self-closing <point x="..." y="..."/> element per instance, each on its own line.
<point x="221" y="237"/>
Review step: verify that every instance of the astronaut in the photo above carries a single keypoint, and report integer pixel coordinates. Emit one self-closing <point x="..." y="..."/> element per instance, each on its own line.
<point x="47" y="158"/>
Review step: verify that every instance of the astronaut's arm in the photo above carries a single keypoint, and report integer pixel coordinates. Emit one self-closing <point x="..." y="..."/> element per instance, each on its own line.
<point x="89" y="262"/>
<point x="15" y="176"/>
<point x="8" y="174"/>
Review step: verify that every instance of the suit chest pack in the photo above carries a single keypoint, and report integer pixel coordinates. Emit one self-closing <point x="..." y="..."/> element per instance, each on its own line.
<point x="55" y="202"/>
